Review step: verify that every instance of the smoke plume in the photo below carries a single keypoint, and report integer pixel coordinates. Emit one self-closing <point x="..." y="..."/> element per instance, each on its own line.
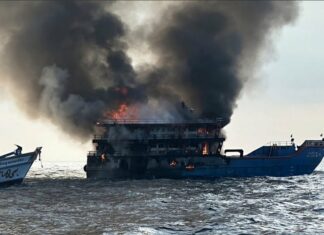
<point x="205" y="49"/>
<point x="67" y="61"/>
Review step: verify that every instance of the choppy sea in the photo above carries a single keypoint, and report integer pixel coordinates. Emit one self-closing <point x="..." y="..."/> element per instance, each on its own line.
<point x="58" y="199"/>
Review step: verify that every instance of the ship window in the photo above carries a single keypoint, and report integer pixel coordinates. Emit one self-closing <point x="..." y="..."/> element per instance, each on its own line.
<point x="172" y="145"/>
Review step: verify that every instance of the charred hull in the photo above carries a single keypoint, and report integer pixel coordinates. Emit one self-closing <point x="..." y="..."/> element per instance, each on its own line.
<point x="190" y="150"/>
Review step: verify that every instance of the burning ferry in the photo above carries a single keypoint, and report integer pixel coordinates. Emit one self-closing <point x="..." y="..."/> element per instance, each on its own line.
<point x="142" y="149"/>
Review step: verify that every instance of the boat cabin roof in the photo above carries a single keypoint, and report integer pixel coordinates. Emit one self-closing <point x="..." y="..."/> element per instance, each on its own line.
<point x="143" y="123"/>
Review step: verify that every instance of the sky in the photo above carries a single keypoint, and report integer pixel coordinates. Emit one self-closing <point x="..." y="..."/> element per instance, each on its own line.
<point x="286" y="98"/>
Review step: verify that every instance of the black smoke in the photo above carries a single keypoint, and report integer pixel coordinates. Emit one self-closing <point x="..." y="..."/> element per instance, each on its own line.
<point x="67" y="60"/>
<point x="205" y="47"/>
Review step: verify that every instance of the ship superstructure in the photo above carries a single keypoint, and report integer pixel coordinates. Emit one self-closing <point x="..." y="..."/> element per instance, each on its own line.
<point x="132" y="148"/>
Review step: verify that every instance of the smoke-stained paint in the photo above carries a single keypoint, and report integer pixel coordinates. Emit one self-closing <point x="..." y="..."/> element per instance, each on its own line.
<point x="67" y="61"/>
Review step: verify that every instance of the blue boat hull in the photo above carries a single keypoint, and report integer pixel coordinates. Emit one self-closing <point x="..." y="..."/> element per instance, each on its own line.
<point x="303" y="161"/>
<point x="255" y="167"/>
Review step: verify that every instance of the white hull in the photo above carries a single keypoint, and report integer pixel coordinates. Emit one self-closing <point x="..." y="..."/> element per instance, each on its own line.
<point x="15" y="168"/>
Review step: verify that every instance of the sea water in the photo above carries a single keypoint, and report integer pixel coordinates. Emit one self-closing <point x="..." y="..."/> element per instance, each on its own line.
<point x="58" y="199"/>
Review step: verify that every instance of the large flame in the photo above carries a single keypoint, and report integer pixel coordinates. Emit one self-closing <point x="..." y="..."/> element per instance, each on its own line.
<point x="124" y="112"/>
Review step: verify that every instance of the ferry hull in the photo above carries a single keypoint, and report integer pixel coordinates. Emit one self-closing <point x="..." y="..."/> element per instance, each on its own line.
<point x="210" y="167"/>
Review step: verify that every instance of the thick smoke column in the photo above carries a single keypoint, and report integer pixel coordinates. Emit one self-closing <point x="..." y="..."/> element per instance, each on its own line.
<point x="205" y="47"/>
<point x="67" y="61"/>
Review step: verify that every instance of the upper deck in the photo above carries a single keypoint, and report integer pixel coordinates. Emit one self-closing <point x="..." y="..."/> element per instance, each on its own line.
<point x="122" y="130"/>
<point x="149" y="123"/>
<point x="128" y="137"/>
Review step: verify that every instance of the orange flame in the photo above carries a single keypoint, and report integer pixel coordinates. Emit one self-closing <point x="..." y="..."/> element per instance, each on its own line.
<point x="123" y="112"/>
<point x="173" y="163"/>
<point x="205" y="149"/>
<point x="190" y="167"/>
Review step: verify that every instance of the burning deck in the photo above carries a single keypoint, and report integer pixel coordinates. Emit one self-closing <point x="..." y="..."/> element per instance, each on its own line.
<point x="157" y="149"/>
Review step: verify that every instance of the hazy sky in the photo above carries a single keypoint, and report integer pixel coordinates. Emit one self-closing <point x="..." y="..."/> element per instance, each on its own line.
<point x="287" y="98"/>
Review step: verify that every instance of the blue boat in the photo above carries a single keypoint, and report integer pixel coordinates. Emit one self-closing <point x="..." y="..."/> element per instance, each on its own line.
<point x="15" y="165"/>
<point x="150" y="149"/>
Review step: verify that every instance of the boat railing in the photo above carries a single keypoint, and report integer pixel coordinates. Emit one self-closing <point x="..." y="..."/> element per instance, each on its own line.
<point x="13" y="153"/>
<point x="156" y="137"/>
<point x="7" y="155"/>
<point x="280" y="143"/>
<point x="99" y="137"/>
<point x="92" y="153"/>
<point x="157" y="121"/>
<point x="313" y="143"/>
